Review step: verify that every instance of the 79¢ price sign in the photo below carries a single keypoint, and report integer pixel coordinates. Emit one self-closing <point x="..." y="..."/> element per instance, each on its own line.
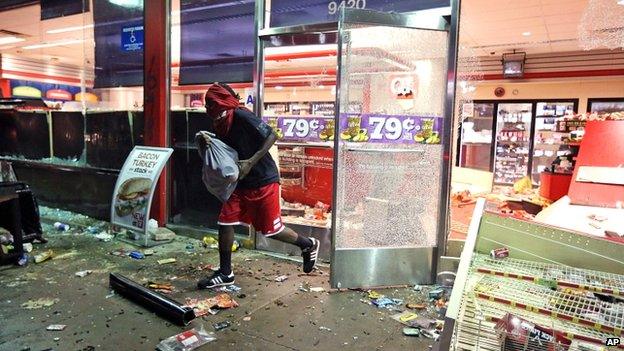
<point x="302" y="128"/>
<point x="390" y="129"/>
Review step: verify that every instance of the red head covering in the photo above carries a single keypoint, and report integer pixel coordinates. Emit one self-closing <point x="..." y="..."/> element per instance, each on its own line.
<point x="219" y="99"/>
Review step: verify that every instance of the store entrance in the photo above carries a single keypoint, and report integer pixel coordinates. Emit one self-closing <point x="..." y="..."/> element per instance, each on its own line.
<point x="297" y="95"/>
<point x="359" y="109"/>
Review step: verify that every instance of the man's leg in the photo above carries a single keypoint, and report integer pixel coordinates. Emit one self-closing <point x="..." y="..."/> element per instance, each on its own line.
<point x="288" y="235"/>
<point x="231" y="214"/>
<point x="226" y="239"/>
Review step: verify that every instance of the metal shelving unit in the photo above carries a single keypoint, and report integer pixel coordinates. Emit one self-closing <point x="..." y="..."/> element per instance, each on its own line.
<point x="552" y="275"/>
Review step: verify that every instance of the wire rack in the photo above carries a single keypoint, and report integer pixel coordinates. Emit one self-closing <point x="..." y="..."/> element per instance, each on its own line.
<point x="477" y="332"/>
<point x="476" y="328"/>
<point x="570" y="305"/>
<point x="551" y="275"/>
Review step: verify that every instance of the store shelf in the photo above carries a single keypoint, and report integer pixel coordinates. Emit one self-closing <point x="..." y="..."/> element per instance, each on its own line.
<point x="565" y="305"/>
<point x="552" y="275"/>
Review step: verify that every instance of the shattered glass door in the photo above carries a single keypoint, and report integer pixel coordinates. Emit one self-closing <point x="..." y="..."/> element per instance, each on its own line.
<point x="388" y="152"/>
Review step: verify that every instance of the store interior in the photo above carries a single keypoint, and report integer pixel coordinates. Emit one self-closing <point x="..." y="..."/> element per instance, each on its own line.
<point x="529" y="80"/>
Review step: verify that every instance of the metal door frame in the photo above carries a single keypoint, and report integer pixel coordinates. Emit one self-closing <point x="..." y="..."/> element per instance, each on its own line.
<point x="367" y="17"/>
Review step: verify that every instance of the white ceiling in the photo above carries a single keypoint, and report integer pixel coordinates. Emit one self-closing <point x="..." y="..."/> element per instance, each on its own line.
<point x="26" y="21"/>
<point x="488" y="26"/>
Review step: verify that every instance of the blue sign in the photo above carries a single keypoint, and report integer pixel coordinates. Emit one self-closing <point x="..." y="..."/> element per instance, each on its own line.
<point x="132" y="38"/>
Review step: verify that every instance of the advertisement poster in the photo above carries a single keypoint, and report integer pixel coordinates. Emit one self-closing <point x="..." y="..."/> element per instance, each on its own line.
<point x="391" y="129"/>
<point x="135" y="186"/>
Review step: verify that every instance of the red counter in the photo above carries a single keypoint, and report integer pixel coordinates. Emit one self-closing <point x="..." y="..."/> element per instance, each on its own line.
<point x="554" y="186"/>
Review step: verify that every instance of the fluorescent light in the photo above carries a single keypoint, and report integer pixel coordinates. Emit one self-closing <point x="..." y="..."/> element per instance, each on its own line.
<point x="10" y="40"/>
<point x="279" y="87"/>
<point x="526" y="34"/>
<point x="321" y="86"/>
<point x="127" y="3"/>
<point x="69" y="29"/>
<point x="620" y="2"/>
<point x="57" y="43"/>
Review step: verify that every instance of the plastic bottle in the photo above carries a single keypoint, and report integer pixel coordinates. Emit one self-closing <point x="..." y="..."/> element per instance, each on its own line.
<point x="61" y="227"/>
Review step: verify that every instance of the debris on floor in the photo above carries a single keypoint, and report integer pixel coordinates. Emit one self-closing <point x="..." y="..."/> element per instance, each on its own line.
<point x="167" y="261"/>
<point x="221" y="325"/>
<point x="409" y="331"/>
<point x="39" y="303"/>
<point x="186" y="341"/>
<point x="83" y="274"/>
<point x="104" y="236"/>
<point x="56" y="327"/>
<point x="166" y="288"/>
<point x="281" y="278"/>
<point x="203" y="307"/>
<point x="44" y="256"/>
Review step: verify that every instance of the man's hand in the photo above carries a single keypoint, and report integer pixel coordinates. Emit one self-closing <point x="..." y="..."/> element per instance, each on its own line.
<point x="203" y="138"/>
<point x="244" y="167"/>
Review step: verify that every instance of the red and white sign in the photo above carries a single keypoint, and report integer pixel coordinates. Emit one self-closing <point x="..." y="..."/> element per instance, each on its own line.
<point x="58" y="94"/>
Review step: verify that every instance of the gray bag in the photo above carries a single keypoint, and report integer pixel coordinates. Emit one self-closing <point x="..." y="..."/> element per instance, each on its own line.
<point x="219" y="166"/>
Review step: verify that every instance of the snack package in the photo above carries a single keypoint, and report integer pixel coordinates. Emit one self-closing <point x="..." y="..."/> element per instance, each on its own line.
<point x="186" y="341"/>
<point x="520" y="334"/>
<point x="219" y="167"/>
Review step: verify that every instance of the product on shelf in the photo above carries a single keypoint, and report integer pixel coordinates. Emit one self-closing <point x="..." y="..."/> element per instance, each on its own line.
<point x="512" y="143"/>
<point x="296" y="213"/>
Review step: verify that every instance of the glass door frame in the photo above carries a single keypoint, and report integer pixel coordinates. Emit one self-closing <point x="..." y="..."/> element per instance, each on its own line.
<point x="373" y="18"/>
<point x="449" y="23"/>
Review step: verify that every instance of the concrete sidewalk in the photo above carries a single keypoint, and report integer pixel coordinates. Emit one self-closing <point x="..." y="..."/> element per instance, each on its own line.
<point x="282" y="316"/>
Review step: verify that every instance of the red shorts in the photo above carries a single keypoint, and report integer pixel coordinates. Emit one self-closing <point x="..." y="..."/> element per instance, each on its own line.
<point x="259" y="207"/>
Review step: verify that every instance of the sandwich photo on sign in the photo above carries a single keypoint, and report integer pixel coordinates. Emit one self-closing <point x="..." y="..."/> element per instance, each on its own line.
<point x="133" y="196"/>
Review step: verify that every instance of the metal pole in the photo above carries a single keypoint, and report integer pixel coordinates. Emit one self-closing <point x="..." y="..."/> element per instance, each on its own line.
<point x="449" y="107"/>
<point x="156" y="89"/>
<point x="258" y="70"/>
<point x="337" y="108"/>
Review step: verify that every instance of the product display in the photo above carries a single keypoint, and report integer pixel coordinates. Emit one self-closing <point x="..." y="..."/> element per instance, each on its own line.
<point x="296" y="213"/>
<point x="513" y="304"/>
<point x="550" y="142"/>
<point x="512" y="142"/>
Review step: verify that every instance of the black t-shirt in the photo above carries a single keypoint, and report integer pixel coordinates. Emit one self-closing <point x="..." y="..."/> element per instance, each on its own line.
<point x="246" y="136"/>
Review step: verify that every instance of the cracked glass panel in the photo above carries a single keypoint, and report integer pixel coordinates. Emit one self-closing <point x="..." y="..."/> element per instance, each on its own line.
<point x="390" y="154"/>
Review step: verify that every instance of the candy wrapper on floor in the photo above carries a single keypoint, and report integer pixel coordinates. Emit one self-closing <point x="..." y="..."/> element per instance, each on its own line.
<point x="186" y="341"/>
<point x="205" y="306"/>
<point x="219" y="167"/>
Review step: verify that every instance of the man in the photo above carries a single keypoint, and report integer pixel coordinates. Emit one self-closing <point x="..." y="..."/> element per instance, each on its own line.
<point x="256" y="200"/>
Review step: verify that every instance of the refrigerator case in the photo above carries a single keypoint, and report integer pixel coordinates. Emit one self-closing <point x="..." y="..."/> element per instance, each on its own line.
<point x="513" y="129"/>
<point x="549" y="141"/>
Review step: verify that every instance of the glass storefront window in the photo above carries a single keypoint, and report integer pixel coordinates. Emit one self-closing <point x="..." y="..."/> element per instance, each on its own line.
<point x="72" y="96"/>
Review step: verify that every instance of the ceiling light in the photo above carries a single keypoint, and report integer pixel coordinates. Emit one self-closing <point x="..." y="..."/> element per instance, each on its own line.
<point x="321" y="86"/>
<point x="620" y="2"/>
<point x="69" y="29"/>
<point x="526" y="34"/>
<point x="58" y="43"/>
<point x="128" y="3"/>
<point x="10" y="40"/>
<point x="279" y="87"/>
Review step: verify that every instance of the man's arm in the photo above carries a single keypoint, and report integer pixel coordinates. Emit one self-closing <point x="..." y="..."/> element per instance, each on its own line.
<point x="246" y="165"/>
